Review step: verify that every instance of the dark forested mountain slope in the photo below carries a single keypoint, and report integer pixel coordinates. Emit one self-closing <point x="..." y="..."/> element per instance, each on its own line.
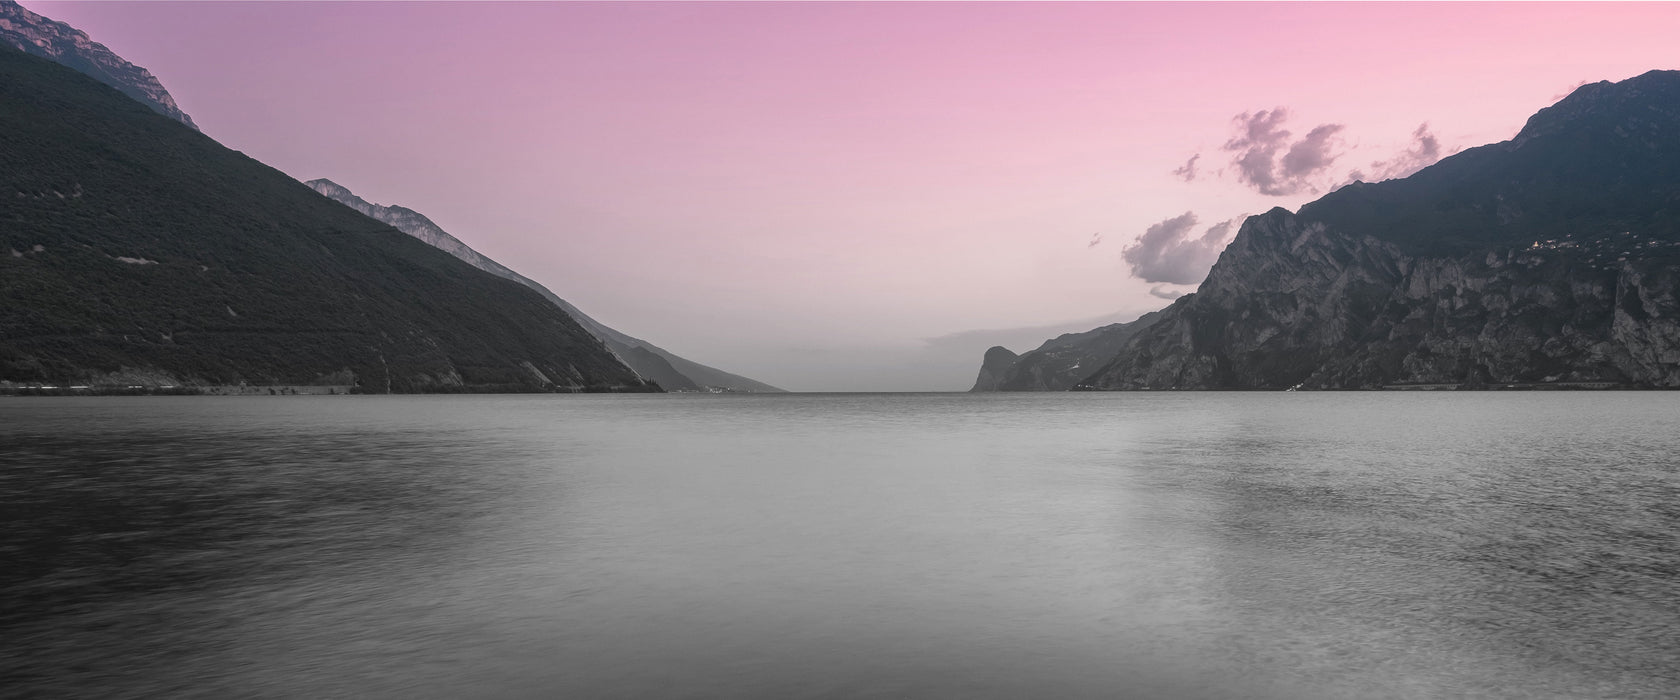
<point x="652" y="362"/>
<point x="1549" y="259"/>
<point x="1602" y="160"/>
<point x="136" y="250"/>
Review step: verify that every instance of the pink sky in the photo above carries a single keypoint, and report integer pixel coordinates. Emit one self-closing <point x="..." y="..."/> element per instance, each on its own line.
<point x="806" y="193"/>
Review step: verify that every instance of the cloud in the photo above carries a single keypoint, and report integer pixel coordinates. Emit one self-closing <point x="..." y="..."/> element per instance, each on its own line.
<point x="1424" y="150"/>
<point x="1161" y="291"/>
<point x="1570" y="91"/>
<point x="1311" y="154"/>
<point x="1267" y="160"/>
<point x="1188" y="172"/>
<point x="1169" y="251"/>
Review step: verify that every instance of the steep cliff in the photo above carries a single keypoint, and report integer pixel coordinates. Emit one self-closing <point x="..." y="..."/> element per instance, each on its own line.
<point x="1060" y="362"/>
<point x="67" y="45"/>
<point x="652" y="362"/>
<point x="1548" y="260"/>
<point x="997" y="361"/>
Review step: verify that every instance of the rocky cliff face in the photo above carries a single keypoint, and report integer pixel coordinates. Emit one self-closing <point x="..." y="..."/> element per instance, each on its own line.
<point x="415" y="224"/>
<point x="1293" y="303"/>
<point x="997" y="361"/>
<point x="650" y="361"/>
<point x="62" y="43"/>
<point x="1060" y="362"/>
<point x="1550" y="259"/>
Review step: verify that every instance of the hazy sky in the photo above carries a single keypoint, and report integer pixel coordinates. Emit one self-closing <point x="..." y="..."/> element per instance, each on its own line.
<point x="836" y="196"/>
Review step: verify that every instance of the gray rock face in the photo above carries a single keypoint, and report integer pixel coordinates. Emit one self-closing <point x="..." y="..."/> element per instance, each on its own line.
<point x="998" y="359"/>
<point x="1552" y="259"/>
<point x="1293" y="303"/>
<point x="1061" y="362"/>
<point x="673" y="373"/>
<point x="64" y="44"/>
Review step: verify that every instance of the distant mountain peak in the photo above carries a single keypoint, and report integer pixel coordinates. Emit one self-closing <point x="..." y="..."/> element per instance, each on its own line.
<point x="410" y="222"/>
<point x="1604" y="100"/>
<point x="61" y="43"/>
<point x="330" y="188"/>
<point x="672" y="372"/>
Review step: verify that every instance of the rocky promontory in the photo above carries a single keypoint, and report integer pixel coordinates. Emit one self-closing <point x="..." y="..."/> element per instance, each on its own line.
<point x="1552" y="259"/>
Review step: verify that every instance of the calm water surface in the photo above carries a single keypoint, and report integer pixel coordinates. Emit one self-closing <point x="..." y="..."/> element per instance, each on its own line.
<point x="1343" y="545"/>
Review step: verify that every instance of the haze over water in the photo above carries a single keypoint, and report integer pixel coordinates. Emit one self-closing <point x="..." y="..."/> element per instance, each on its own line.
<point x="1054" y="545"/>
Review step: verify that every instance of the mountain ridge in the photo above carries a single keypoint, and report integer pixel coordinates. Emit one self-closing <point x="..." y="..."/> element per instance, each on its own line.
<point x="1546" y="260"/>
<point x="671" y="371"/>
<point x="1060" y="362"/>
<point x="61" y="43"/>
<point x="136" y="250"/>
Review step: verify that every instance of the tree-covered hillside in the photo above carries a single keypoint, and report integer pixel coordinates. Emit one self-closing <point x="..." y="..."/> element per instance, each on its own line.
<point x="133" y="248"/>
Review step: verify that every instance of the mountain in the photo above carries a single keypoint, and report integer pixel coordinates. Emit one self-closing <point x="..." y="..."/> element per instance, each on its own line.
<point x="1551" y="259"/>
<point x="996" y="362"/>
<point x="135" y="250"/>
<point x="670" y="371"/>
<point x="62" y="43"/>
<point x="1060" y="362"/>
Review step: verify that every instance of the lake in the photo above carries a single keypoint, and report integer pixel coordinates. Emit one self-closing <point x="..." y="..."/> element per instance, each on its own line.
<point x="1149" y="545"/>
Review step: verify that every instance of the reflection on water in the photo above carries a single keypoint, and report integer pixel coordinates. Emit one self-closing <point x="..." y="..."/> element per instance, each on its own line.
<point x="135" y="541"/>
<point x="1097" y="545"/>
